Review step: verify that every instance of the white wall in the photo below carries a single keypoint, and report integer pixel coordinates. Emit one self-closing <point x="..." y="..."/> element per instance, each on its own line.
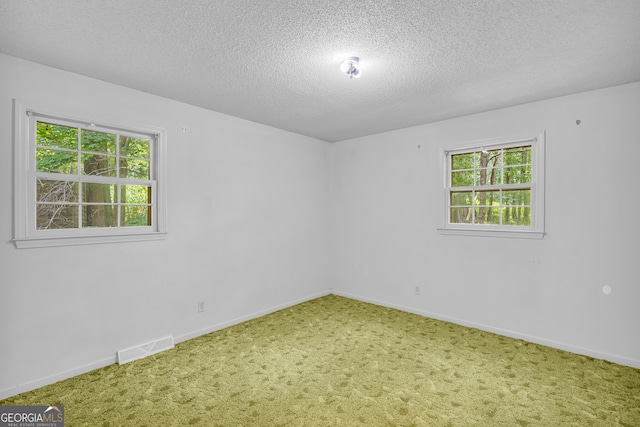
<point x="247" y="222"/>
<point x="254" y="214"/>
<point x="387" y="204"/>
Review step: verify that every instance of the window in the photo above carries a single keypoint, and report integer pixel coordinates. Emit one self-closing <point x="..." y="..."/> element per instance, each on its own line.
<point x="80" y="182"/>
<point x="495" y="189"/>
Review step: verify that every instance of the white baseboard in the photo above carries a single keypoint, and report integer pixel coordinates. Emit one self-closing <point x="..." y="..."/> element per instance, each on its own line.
<point x="50" y="379"/>
<point x="255" y="315"/>
<point x="505" y="332"/>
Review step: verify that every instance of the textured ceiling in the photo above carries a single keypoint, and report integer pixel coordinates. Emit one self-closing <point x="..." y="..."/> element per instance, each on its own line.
<point x="277" y="61"/>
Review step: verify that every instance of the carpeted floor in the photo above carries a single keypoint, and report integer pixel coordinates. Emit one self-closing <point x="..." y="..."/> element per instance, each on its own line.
<point x="339" y="362"/>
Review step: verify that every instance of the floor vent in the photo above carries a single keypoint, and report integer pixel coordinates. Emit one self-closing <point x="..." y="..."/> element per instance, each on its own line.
<point x="144" y="350"/>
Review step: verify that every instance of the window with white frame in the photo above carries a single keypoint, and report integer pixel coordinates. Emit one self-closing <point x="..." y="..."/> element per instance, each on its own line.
<point x="495" y="188"/>
<point x="80" y="182"/>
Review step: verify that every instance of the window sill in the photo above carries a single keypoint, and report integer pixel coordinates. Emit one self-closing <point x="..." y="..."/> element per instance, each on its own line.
<point x="47" y="242"/>
<point x="515" y="234"/>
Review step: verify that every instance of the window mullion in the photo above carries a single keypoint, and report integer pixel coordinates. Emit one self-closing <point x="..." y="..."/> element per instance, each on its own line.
<point x="118" y="184"/>
<point x="119" y="202"/>
<point x="79" y="171"/>
<point x="473" y="206"/>
<point x="501" y="206"/>
<point x="153" y="160"/>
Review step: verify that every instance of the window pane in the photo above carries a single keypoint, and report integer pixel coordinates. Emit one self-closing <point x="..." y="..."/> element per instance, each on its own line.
<point x="460" y="215"/>
<point x="98" y="193"/>
<point x="136" y="169"/>
<point x="51" y="135"/>
<point x="56" y="191"/>
<point x="138" y="194"/>
<point x="461" y="198"/>
<point x="134" y="147"/>
<point x="495" y="176"/>
<point x="493" y="164"/>
<point x="98" y="165"/>
<point x="487" y="215"/>
<point x="517" y="215"/>
<point x="488" y="176"/>
<point x="49" y="217"/>
<point x="98" y="142"/>
<point x="136" y="216"/>
<point x="56" y="161"/>
<point x="517" y="156"/>
<point x="99" y="216"/>
<point x="494" y="157"/>
<point x="487" y="198"/>
<point x="517" y="175"/>
<point x="516" y="197"/>
<point x="462" y="178"/>
<point x="462" y="161"/>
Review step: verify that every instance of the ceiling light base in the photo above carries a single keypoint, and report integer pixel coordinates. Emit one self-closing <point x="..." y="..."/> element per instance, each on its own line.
<point x="351" y="66"/>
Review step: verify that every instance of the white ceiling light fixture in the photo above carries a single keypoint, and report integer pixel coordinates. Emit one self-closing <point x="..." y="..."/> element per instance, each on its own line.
<point x="350" y="66"/>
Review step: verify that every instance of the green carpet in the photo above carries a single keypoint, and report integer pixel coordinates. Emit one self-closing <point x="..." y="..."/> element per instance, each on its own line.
<point x="334" y="361"/>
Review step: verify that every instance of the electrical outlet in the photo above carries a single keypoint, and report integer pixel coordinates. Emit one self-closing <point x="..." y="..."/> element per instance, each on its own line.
<point x="200" y="306"/>
<point x="418" y="290"/>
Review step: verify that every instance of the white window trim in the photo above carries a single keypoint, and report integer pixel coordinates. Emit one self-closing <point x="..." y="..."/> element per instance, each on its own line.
<point x="536" y="230"/>
<point x="25" y="235"/>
